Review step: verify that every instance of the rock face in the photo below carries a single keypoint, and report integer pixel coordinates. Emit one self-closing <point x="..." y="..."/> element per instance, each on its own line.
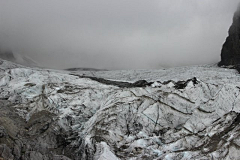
<point x="230" y="54"/>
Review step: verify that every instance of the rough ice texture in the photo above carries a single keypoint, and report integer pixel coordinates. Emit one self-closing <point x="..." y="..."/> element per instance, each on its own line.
<point x="186" y="113"/>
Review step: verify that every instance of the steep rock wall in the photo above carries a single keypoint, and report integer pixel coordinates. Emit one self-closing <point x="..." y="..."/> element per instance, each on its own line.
<point x="230" y="54"/>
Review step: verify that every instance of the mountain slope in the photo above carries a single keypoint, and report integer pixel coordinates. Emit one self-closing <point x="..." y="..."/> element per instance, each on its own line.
<point x="17" y="58"/>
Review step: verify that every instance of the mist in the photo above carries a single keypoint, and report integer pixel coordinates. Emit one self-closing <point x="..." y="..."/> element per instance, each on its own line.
<point x="109" y="34"/>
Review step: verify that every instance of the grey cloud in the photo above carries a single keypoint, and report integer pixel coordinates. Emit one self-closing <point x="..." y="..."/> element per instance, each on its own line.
<point x="116" y="34"/>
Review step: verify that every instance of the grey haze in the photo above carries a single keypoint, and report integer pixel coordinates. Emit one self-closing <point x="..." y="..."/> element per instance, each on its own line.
<point x="110" y="34"/>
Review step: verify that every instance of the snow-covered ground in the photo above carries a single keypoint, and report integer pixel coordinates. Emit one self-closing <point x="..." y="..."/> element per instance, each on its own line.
<point x="197" y="118"/>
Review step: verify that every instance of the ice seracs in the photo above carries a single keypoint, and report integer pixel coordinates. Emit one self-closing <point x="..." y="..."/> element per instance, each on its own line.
<point x="189" y="113"/>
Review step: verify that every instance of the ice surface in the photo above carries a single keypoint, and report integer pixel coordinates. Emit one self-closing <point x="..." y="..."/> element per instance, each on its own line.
<point x="158" y="121"/>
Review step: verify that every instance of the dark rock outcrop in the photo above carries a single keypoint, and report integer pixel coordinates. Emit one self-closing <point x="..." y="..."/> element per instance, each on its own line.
<point x="230" y="54"/>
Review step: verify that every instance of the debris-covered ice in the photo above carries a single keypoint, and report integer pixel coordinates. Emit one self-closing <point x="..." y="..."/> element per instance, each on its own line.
<point x="184" y="113"/>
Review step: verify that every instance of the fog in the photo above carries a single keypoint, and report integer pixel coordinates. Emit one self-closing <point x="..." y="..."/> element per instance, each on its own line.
<point x="110" y="34"/>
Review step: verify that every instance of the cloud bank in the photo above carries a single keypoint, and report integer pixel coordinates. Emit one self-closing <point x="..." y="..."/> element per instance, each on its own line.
<point x="114" y="34"/>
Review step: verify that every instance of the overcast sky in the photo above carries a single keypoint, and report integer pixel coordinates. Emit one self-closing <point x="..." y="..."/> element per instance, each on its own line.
<point x="116" y="34"/>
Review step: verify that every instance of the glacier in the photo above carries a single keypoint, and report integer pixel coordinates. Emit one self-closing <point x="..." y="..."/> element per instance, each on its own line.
<point x="181" y="113"/>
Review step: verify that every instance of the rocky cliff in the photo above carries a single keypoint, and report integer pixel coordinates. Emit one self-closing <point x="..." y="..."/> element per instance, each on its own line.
<point x="230" y="54"/>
